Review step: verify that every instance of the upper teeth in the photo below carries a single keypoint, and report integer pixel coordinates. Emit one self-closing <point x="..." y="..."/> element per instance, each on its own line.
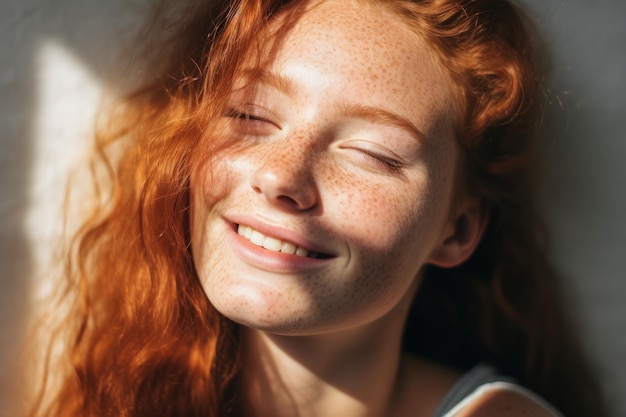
<point x="270" y="243"/>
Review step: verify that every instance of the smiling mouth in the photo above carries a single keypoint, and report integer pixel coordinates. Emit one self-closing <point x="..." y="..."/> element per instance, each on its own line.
<point x="276" y="245"/>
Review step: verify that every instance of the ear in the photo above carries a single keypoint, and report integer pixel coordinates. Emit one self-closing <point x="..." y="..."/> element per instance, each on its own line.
<point x="462" y="234"/>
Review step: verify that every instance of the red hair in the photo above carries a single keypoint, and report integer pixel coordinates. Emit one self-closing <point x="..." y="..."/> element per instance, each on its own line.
<point x="147" y="341"/>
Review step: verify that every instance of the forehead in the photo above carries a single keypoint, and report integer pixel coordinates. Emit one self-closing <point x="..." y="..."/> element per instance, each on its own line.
<point x="370" y="55"/>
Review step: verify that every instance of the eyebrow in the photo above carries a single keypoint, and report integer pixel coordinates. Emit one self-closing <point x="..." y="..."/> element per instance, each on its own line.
<point x="279" y="82"/>
<point x="384" y="117"/>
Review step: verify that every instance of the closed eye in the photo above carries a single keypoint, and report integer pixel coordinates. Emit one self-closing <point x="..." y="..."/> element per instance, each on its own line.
<point x="237" y="114"/>
<point x="384" y="161"/>
<point x="380" y="160"/>
<point x="247" y="122"/>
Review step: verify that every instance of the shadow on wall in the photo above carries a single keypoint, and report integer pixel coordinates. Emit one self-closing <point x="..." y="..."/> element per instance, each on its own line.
<point x="55" y="58"/>
<point x="584" y="197"/>
<point x="584" y="204"/>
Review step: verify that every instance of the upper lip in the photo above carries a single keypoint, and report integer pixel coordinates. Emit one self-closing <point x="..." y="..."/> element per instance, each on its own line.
<point x="282" y="233"/>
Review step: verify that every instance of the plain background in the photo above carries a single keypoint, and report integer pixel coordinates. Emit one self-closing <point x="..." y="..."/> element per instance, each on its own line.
<point x="57" y="55"/>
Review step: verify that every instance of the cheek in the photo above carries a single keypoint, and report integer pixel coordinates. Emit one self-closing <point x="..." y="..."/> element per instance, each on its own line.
<point x="210" y="182"/>
<point x="392" y="226"/>
<point x="376" y="213"/>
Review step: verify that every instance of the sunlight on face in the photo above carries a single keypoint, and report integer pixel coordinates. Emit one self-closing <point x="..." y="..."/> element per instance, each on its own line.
<point x="341" y="184"/>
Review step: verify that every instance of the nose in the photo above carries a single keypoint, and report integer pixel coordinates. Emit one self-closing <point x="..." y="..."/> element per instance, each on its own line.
<point x="284" y="177"/>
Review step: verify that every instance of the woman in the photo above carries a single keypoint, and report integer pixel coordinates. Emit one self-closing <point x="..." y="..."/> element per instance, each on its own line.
<point x="324" y="208"/>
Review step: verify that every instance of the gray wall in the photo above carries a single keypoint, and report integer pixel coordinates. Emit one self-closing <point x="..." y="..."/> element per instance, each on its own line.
<point x="55" y="54"/>
<point x="585" y="192"/>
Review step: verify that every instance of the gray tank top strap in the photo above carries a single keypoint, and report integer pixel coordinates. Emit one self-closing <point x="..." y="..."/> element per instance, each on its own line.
<point x="474" y="378"/>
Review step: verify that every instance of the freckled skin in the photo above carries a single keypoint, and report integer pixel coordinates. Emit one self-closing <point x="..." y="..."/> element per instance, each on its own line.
<point x="305" y="175"/>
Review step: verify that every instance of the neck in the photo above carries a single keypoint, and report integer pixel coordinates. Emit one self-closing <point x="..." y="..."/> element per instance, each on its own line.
<point x="348" y="373"/>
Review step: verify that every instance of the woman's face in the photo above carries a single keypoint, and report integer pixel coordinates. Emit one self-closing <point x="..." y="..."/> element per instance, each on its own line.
<point x="339" y="189"/>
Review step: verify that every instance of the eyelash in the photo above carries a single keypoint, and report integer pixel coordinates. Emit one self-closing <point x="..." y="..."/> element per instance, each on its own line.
<point x="236" y="114"/>
<point x="383" y="161"/>
<point x="249" y="123"/>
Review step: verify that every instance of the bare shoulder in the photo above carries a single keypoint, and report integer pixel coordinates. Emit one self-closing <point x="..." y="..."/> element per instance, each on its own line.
<point x="508" y="400"/>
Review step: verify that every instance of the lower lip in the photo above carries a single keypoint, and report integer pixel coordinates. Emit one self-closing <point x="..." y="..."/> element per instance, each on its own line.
<point x="268" y="260"/>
